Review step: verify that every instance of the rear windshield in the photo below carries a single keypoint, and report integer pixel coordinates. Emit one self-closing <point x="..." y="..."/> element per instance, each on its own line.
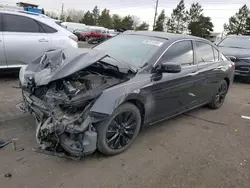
<point x="235" y="42"/>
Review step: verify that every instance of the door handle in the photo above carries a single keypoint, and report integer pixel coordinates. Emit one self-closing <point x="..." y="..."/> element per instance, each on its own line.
<point x="193" y="74"/>
<point x="43" y="40"/>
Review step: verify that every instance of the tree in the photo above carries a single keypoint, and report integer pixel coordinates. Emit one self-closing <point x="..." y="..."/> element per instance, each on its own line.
<point x="247" y="29"/>
<point x="237" y="23"/>
<point x="105" y="19"/>
<point x="52" y="15"/>
<point x="88" y="19"/>
<point x="194" y="12"/>
<point x="75" y="15"/>
<point x="136" y="21"/>
<point x="202" y="27"/>
<point x="159" y="24"/>
<point x="117" y="21"/>
<point x="69" y="19"/>
<point x="62" y="17"/>
<point x="127" y="23"/>
<point x="143" y="26"/>
<point x="177" y="22"/>
<point x="198" y="25"/>
<point x="96" y="14"/>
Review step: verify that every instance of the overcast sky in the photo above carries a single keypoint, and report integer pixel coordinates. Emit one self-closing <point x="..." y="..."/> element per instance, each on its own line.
<point x="219" y="10"/>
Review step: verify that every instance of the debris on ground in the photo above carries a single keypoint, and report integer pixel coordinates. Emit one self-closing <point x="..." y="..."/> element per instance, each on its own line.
<point x="19" y="159"/>
<point x="20" y="149"/>
<point x="8" y="175"/>
<point x="53" y="153"/>
<point x="4" y="143"/>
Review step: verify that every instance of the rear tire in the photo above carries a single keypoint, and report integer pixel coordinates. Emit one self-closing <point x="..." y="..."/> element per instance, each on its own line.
<point x="220" y="95"/>
<point x="119" y="131"/>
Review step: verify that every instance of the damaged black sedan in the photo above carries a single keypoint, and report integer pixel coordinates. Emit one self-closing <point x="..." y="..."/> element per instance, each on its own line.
<point x="99" y="98"/>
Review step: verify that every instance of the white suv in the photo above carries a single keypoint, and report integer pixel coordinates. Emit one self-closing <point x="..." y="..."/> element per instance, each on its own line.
<point x="25" y="36"/>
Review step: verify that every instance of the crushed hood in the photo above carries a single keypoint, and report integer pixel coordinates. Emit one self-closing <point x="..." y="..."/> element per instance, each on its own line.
<point x="58" y="64"/>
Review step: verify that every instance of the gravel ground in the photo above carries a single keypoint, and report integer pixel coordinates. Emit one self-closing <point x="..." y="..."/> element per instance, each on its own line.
<point x="202" y="149"/>
<point x="85" y="45"/>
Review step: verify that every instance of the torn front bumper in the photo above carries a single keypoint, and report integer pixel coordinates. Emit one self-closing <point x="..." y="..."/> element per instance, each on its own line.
<point x="56" y="131"/>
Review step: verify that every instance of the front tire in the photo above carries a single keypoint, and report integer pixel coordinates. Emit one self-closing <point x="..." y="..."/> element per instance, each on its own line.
<point x="118" y="132"/>
<point x="220" y="95"/>
<point x="86" y="38"/>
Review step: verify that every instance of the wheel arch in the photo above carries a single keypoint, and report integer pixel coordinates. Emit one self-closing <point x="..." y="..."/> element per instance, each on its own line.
<point x="140" y="106"/>
<point x="228" y="82"/>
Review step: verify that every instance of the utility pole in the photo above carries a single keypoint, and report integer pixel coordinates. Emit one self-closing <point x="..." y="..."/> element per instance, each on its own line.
<point x="156" y="7"/>
<point x="62" y="17"/>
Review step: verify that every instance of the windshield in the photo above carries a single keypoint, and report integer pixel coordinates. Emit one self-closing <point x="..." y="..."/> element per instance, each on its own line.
<point x="236" y="42"/>
<point x="134" y="49"/>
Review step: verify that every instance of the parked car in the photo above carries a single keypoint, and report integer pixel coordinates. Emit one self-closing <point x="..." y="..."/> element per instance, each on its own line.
<point x="71" y="26"/>
<point x="113" y="33"/>
<point x="100" y="98"/>
<point x="85" y="35"/>
<point x="98" y="40"/>
<point x="81" y="33"/>
<point x="237" y="48"/>
<point x="24" y="37"/>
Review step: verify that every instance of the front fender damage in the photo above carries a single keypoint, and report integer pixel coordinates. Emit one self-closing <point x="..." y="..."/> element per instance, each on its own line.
<point x="63" y="109"/>
<point x="74" y="134"/>
<point x="60" y="131"/>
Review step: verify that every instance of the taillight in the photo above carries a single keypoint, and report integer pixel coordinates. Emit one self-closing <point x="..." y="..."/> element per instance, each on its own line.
<point x="73" y="37"/>
<point x="233" y="66"/>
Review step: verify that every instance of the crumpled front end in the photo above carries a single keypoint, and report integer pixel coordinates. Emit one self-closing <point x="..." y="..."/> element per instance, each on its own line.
<point x="62" y="108"/>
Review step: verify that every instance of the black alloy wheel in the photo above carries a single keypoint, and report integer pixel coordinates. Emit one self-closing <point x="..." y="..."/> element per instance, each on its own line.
<point x="119" y="131"/>
<point x="220" y="95"/>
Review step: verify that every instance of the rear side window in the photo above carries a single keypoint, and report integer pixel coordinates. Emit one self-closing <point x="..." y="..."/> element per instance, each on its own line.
<point x="98" y="31"/>
<point x="204" y="52"/>
<point x="180" y="52"/>
<point x="14" y="23"/>
<point x="47" y="29"/>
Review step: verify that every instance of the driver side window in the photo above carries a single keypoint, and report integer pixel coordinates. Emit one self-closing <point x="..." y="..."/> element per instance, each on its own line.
<point x="180" y="53"/>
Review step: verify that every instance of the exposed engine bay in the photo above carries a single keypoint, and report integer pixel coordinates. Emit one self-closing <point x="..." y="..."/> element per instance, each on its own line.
<point x="61" y="108"/>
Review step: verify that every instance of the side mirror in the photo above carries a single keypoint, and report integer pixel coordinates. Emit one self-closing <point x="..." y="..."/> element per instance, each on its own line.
<point x="169" y="68"/>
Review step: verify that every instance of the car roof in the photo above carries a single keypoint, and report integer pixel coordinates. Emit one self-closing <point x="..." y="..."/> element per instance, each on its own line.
<point x="27" y="14"/>
<point x="39" y="17"/>
<point x="160" y="34"/>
